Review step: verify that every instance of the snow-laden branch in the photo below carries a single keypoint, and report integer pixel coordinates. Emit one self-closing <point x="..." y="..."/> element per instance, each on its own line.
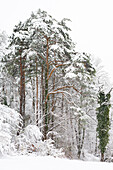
<point x="56" y="91"/>
<point x="54" y="70"/>
<point x="38" y="54"/>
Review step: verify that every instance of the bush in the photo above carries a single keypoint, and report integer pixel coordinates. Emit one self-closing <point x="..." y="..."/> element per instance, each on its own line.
<point x="30" y="142"/>
<point x="10" y="122"/>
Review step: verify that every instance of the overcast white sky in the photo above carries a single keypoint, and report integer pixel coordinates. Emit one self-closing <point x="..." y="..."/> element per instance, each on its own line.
<point x="92" y="22"/>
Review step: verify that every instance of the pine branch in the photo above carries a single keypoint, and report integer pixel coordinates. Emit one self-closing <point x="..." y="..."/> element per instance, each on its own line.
<point x="54" y="70"/>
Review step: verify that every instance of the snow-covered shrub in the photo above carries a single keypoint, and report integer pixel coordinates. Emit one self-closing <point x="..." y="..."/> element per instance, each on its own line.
<point x="27" y="140"/>
<point x="30" y="141"/>
<point x="90" y="157"/>
<point x="10" y="121"/>
<point x="33" y="133"/>
<point x="47" y="148"/>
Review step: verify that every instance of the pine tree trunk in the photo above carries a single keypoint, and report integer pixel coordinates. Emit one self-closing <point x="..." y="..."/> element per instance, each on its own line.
<point x="81" y="134"/>
<point x="21" y="83"/>
<point x="43" y="96"/>
<point x="46" y="107"/>
<point x="53" y="106"/>
<point x="40" y="107"/>
<point x="36" y="94"/>
<point x="102" y="157"/>
<point x="46" y="91"/>
<point x="79" y="139"/>
<point x="22" y="89"/>
<point x="62" y="106"/>
<point x="96" y="145"/>
<point x="33" y="93"/>
<point x="72" y="136"/>
<point x="4" y="94"/>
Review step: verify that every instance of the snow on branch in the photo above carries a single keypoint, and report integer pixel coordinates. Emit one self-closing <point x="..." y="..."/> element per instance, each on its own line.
<point x="57" y="91"/>
<point x="63" y="87"/>
<point x="38" y="54"/>
<point x="54" y="70"/>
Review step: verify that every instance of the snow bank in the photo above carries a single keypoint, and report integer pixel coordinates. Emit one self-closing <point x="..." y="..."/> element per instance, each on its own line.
<point x="50" y="163"/>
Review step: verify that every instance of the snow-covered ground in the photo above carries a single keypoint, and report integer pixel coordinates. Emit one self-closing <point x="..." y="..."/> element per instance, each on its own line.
<point x="50" y="163"/>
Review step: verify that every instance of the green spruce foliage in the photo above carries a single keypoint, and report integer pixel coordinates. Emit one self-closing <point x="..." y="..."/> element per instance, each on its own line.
<point x="103" y="121"/>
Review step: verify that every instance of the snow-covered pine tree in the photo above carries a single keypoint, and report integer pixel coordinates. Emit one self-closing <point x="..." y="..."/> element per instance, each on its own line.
<point x="3" y="40"/>
<point x="39" y="41"/>
<point x="53" y="46"/>
<point x="78" y="107"/>
<point x="15" y="59"/>
<point x="103" y="125"/>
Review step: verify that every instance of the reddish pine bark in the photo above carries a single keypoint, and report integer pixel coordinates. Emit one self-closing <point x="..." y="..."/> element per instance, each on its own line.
<point x="22" y="88"/>
<point x="36" y="94"/>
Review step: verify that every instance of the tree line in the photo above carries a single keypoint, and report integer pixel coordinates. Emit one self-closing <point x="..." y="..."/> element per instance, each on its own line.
<point x="55" y="87"/>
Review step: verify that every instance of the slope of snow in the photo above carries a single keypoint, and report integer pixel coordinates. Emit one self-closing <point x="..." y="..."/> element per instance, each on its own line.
<point x="50" y="163"/>
<point x="9" y="125"/>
